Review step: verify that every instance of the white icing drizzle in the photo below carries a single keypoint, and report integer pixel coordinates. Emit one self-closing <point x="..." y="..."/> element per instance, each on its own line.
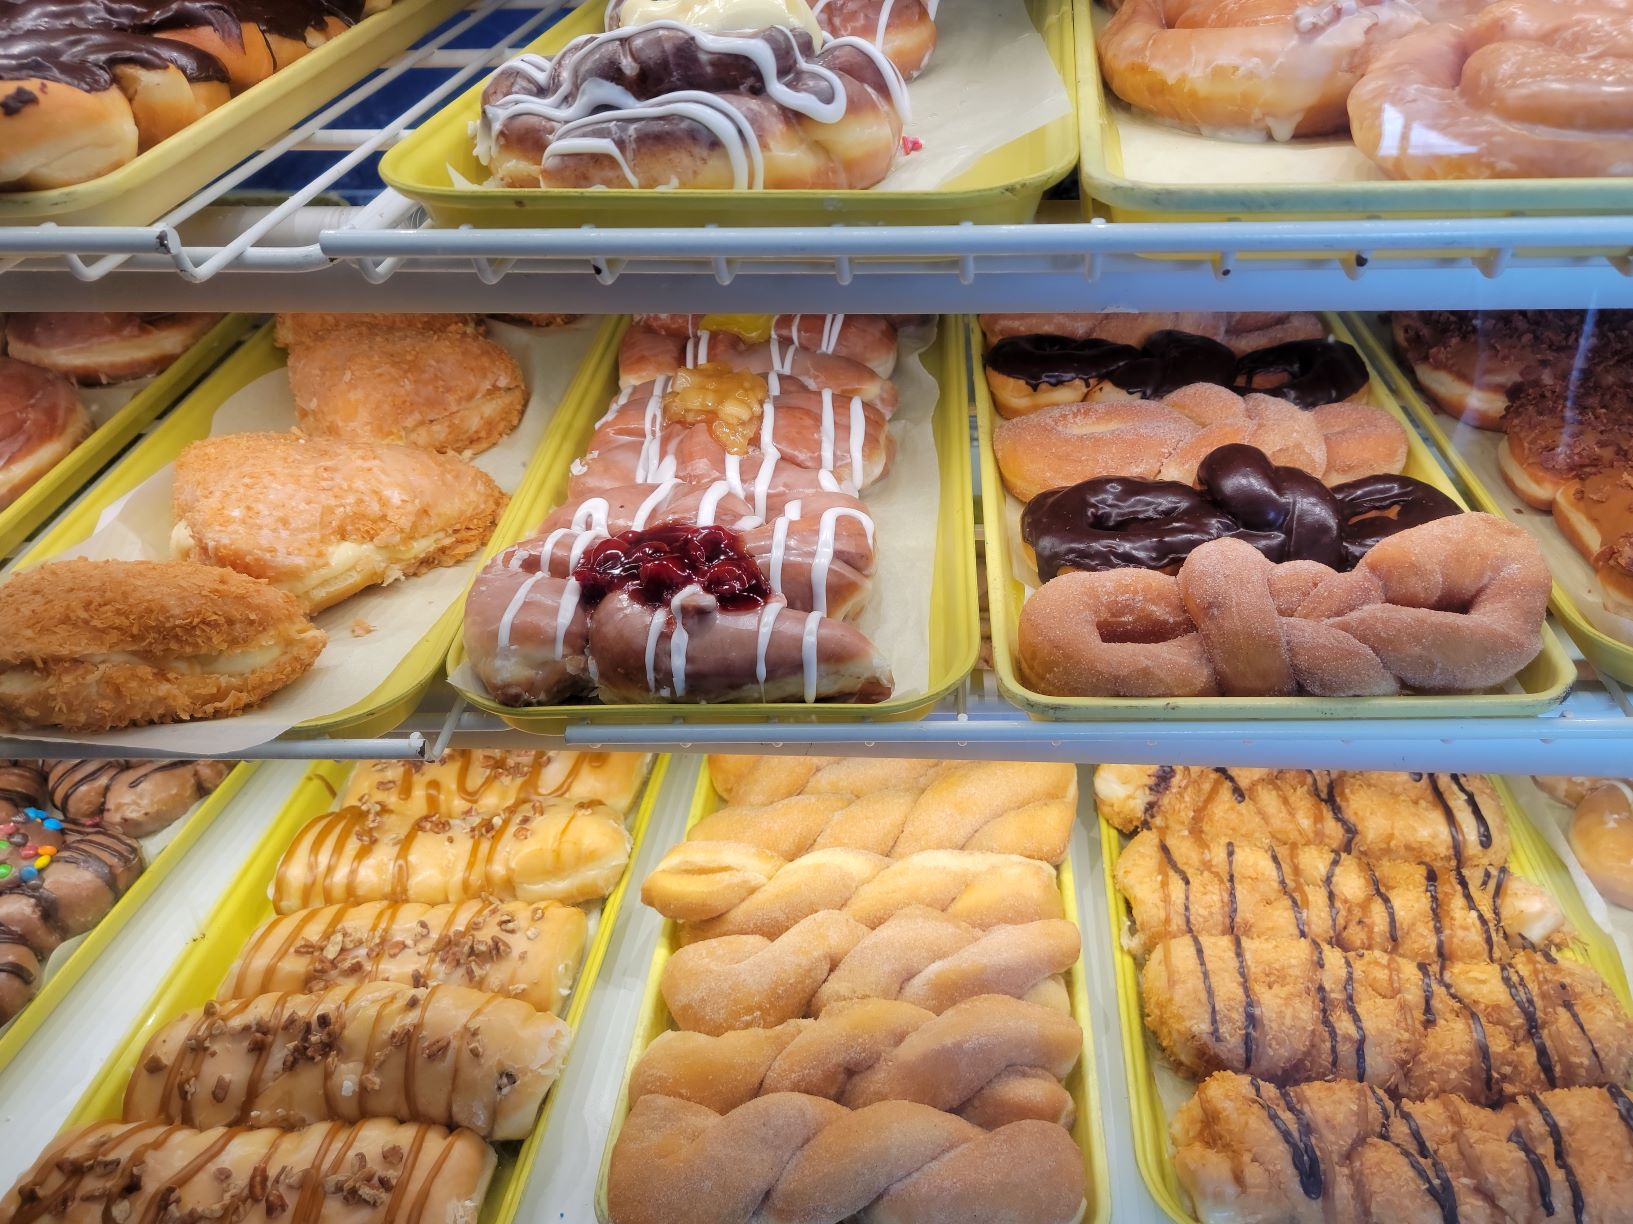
<point x="858" y="434"/>
<point x="515" y="606"/>
<point x="573" y="105"/>
<point x="768" y="621"/>
<point x="832" y="325"/>
<point x="808" y="653"/>
<point x="679" y="642"/>
<point x="708" y="507"/>
<point x="779" y="541"/>
<point x="592" y="515"/>
<point x="646" y="467"/>
<point x="827" y="534"/>
<point x="659" y="494"/>
<point x="570" y="595"/>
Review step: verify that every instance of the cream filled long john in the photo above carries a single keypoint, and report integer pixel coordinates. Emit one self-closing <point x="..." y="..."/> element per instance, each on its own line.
<point x="442" y="1054"/>
<point x="520" y="951"/>
<point x="542" y="850"/>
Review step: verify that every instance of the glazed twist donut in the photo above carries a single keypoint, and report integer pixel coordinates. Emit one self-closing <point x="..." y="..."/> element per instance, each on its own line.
<point x="1455" y="605"/>
<point x="1247" y="68"/>
<point x="991" y="1060"/>
<point x="794" y="1157"/>
<point x="727" y="888"/>
<point x="1526" y="89"/>
<point x="918" y="955"/>
<point x="666" y="105"/>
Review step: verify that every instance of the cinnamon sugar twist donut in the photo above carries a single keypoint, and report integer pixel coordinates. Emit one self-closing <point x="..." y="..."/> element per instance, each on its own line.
<point x="1526" y="89"/>
<point x="788" y="1156"/>
<point x="1454" y="605"/>
<point x="666" y="105"/>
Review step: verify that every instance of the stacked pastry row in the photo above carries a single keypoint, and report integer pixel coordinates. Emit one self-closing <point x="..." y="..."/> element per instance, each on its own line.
<point x="269" y="528"/>
<point x="715" y="544"/>
<point x="1558" y="385"/>
<point x="712" y="94"/>
<point x="70" y="845"/>
<point x="48" y="357"/>
<point x="86" y="85"/>
<point x="395" y="1017"/>
<point x="868" y="999"/>
<point x="1428" y="89"/>
<point x="1215" y="508"/>
<point x="1375" y="1003"/>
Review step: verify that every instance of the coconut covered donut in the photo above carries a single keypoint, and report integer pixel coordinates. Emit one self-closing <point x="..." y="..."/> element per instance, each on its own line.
<point x="1247" y="69"/>
<point x="1525" y="89"/>
<point x="1454" y="605"/>
<point x="667" y="105"/>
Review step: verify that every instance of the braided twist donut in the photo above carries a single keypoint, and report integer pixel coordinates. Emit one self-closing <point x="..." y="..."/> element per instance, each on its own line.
<point x="666" y="105"/>
<point x="991" y="1060"/>
<point x="1526" y="89"/>
<point x="727" y="888"/>
<point x="1247" y="68"/>
<point x="1004" y="807"/>
<point x="790" y="1157"/>
<point x="1454" y="605"/>
<point x="918" y="955"/>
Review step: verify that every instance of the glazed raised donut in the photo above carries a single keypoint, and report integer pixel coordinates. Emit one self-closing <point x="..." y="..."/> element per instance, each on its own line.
<point x="1454" y="605"/>
<point x="1166" y="439"/>
<point x="95" y="348"/>
<point x="1247" y="69"/>
<point x="1525" y="89"/>
<point x="1027" y="373"/>
<point x="665" y="105"/>
<point x="42" y="420"/>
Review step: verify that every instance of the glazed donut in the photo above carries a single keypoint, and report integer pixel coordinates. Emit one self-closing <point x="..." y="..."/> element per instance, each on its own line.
<point x="1525" y="89"/>
<point x="644" y="355"/>
<point x="870" y="339"/>
<point x="1026" y="373"/>
<point x="93" y="349"/>
<point x="1601" y="834"/>
<point x="1595" y="513"/>
<point x="41" y="421"/>
<point x="1244" y="331"/>
<point x="1166" y="439"/>
<point x="665" y="105"/>
<point x="1247" y="69"/>
<point x="1454" y="605"/>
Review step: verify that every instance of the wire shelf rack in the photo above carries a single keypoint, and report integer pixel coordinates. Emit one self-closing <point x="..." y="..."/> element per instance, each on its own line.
<point x="305" y="250"/>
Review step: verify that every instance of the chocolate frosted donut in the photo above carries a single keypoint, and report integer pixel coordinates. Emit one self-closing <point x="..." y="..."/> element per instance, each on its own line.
<point x="1308" y="373"/>
<point x="1121" y="522"/>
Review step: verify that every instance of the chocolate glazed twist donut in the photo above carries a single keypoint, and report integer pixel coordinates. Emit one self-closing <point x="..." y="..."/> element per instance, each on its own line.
<point x="1455" y="605"/>
<point x="56" y="881"/>
<point x="794" y="1157"/>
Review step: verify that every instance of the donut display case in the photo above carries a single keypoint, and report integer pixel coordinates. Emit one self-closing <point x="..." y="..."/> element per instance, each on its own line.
<point x="841" y="611"/>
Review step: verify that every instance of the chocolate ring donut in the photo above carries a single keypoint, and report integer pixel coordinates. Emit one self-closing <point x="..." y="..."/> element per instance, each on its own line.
<point x="1119" y="522"/>
<point x="1376" y="507"/>
<point x="1297" y="514"/>
<point x="1307" y="373"/>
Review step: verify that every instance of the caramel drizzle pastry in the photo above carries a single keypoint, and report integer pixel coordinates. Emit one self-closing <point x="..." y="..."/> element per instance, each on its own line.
<point x="1293" y="1010"/>
<point x="376" y="1172"/>
<point x="569" y="94"/>
<point x="1179" y="885"/>
<point x="444" y="1054"/>
<point x="482" y="780"/>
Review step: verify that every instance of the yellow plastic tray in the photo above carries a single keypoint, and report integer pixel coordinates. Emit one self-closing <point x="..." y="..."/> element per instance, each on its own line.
<point x="1003" y="186"/>
<point x="1082" y="1083"/>
<point x="1107" y="179"/>
<point x="154" y="182"/>
<point x="399" y="693"/>
<point x="1531" y="857"/>
<point x="204" y="962"/>
<point x="61" y="978"/>
<point x="1543" y="682"/>
<point x="45" y="496"/>
<point x="955" y="634"/>
<point x="1613" y="657"/>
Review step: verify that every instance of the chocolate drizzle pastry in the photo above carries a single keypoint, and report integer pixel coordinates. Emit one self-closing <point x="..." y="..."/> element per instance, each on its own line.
<point x="1307" y="373"/>
<point x="284" y="18"/>
<point x="1120" y="522"/>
